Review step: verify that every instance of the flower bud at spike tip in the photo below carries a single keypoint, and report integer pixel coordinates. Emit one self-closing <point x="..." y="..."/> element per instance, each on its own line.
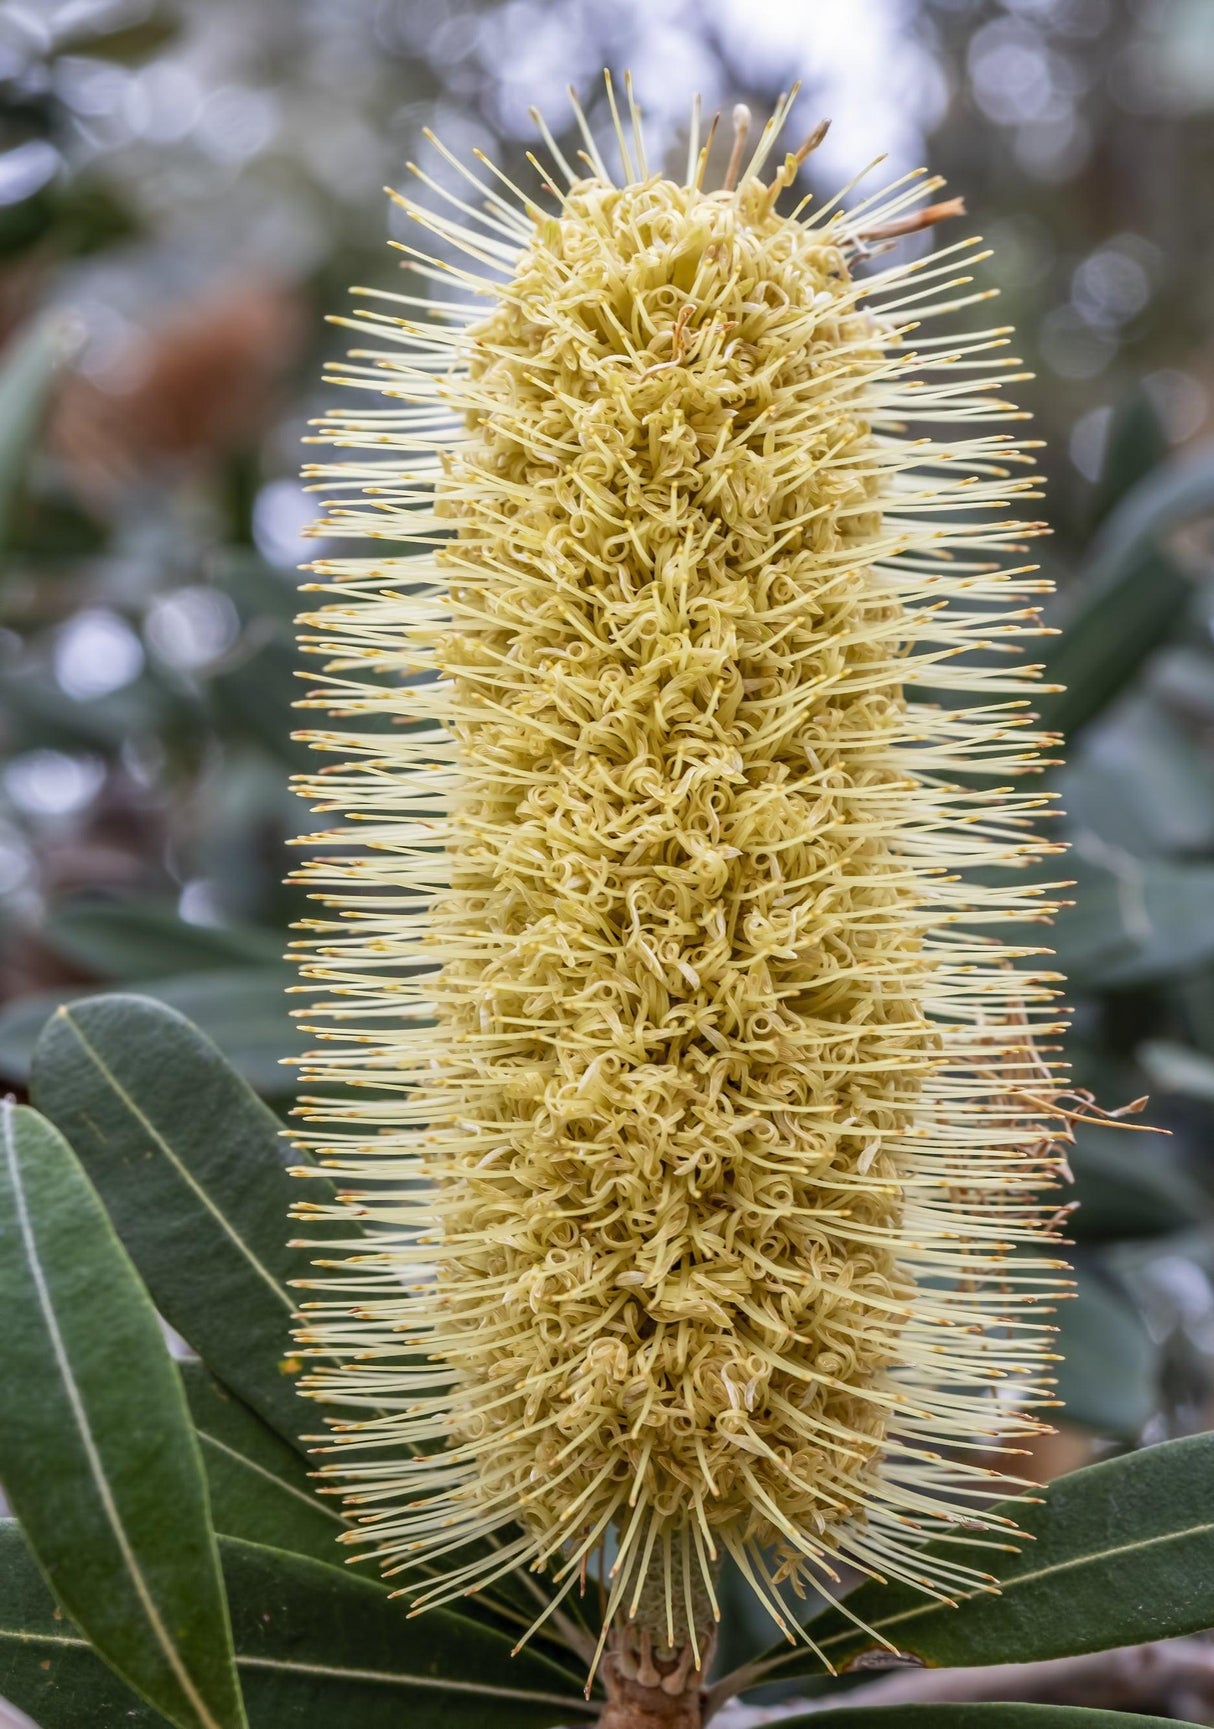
<point x="701" y="1140"/>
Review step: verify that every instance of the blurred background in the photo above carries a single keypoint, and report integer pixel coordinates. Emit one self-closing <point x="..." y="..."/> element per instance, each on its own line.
<point x="185" y="188"/>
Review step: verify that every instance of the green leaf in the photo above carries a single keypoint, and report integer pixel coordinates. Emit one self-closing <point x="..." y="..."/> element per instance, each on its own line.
<point x="1131" y="594"/>
<point x="260" y="1487"/>
<point x="243" y="1009"/>
<point x="1174" y="1068"/>
<point x="190" y="1164"/>
<point x="46" y="1666"/>
<point x="1123" y="613"/>
<point x="315" y="1647"/>
<point x="978" y="1716"/>
<point x="1137" y="444"/>
<point x="1130" y="1185"/>
<point x="131" y="941"/>
<point x="1173" y="493"/>
<point x="97" y="1454"/>
<point x="128" y="44"/>
<point x="28" y="370"/>
<point x="1133" y="920"/>
<point x="1118" y="1554"/>
<point x="1138" y="782"/>
<point x="1108" y="1379"/>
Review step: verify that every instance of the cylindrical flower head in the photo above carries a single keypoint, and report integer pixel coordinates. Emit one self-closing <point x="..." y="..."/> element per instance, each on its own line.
<point x="699" y="1179"/>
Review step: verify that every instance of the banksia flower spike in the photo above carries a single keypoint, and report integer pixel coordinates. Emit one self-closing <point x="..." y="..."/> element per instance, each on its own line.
<point x="700" y="1190"/>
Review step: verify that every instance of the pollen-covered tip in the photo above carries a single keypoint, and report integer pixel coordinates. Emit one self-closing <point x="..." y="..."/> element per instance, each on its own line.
<point x="698" y="1173"/>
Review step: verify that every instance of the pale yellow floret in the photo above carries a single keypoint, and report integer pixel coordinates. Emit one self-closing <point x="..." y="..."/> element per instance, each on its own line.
<point x="707" y="1140"/>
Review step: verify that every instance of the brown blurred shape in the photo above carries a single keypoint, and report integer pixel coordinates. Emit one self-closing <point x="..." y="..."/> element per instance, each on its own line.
<point x="205" y="381"/>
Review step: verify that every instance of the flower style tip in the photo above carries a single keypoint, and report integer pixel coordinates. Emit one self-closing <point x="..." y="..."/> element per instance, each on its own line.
<point x="697" y="1136"/>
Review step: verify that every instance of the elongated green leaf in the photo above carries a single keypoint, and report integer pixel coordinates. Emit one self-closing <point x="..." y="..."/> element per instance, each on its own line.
<point x="1131" y="594"/>
<point x="27" y="373"/>
<point x="129" y="44"/>
<point x="315" y="1647"/>
<point x="243" y="1009"/>
<point x="1173" y="493"/>
<point x="1175" y="1068"/>
<point x="1140" y="784"/>
<point x="262" y="1491"/>
<point x="979" y="1716"/>
<point x="1134" y="920"/>
<point x="1136" y="446"/>
<point x="1132" y="1185"/>
<point x="260" y="1487"/>
<point x="1108" y="1378"/>
<point x="190" y="1165"/>
<point x="1118" y="1553"/>
<point x="1125" y="611"/>
<point x="97" y="1453"/>
<point x="318" y="1646"/>
<point x="128" y="941"/>
<point x="46" y="1665"/>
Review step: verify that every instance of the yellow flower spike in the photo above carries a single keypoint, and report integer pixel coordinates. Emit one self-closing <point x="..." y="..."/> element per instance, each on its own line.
<point x="705" y="1108"/>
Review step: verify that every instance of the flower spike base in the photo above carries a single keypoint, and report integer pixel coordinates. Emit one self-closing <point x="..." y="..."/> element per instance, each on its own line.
<point x="693" y="1136"/>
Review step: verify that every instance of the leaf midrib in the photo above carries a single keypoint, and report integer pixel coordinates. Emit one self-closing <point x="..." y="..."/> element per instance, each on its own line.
<point x="342" y="1672"/>
<point x="183" y="1172"/>
<point x="1006" y="1587"/>
<point x="93" y="1457"/>
<point x="304" y="1495"/>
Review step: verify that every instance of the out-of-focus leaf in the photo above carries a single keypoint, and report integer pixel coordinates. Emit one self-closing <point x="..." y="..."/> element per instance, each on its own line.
<point x="190" y="1164"/>
<point x="1133" y="920"/>
<point x="1182" y="680"/>
<point x="1177" y="1069"/>
<point x="1139" y="783"/>
<point x="1123" y="614"/>
<point x="1123" y="1553"/>
<point x="133" y="940"/>
<point x="244" y="1009"/>
<point x="1174" y="493"/>
<point x="97" y="1453"/>
<point x="978" y="1716"/>
<point x="253" y="698"/>
<point x="28" y="368"/>
<point x="1131" y="594"/>
<point x="315" y="1647"/>
<point x="1108" y="1378"/>
<point x="1129" y="1185"/>
<point x="260" y="1487"/>
<point x="128" y="44"/>
<point x="258" y="589"/>
<point x="1137" y="444"/>
<point x="38" y="715"/>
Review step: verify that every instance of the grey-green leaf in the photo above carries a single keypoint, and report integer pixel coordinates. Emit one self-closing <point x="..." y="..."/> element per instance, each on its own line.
<point x="1133" y="1185"/>
<point x="315" y="1647"/>
<point x="132" y="940"/>
<point x="243" y="1009"/>
<point x="1117" y="1554"/>
<point x="190" y="1164"/>
<point x="1108" y="1378"/>
<point x="1134" y="920"/>
<point x="27" y="374"/>
<point x="979" y="1716"/>
<point x="1131" y="595"/>
<point x="260" y="1487"/>
<point x="97" y="1453"/>
<point x="46" y="1665"/>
